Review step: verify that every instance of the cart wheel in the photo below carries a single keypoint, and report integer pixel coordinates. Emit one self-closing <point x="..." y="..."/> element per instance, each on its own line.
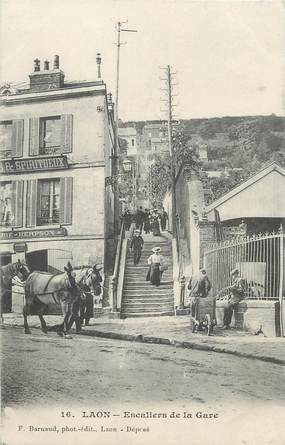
<point x="208" y="320"/>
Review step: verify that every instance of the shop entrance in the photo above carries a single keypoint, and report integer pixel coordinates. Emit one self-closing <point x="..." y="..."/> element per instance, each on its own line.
<point x="6" y="301"/>
<point x="37" y="260"/>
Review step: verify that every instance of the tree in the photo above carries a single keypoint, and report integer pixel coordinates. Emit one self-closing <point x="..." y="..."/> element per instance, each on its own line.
<point x="159" y="176"/>
<point x="207" y="131"/>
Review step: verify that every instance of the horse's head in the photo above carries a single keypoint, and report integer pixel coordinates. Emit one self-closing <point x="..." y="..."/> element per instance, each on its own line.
<point x="70" y="276"/>
<point x="93" y="280"/>
<point x="22" y="270"/>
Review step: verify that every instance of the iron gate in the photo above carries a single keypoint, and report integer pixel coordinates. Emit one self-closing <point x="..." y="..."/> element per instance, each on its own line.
<point x="260" y="259"/>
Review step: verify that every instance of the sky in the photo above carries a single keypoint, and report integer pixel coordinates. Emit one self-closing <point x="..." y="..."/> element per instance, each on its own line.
<point x="228" y="55"/>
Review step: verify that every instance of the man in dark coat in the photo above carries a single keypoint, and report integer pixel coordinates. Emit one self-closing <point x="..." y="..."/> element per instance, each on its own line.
<point x="137" y="245"/>
<point x="163" y="219"/>
<point x="140" y="216"/>
<point x="199" y="286"/>
<point x="237" y="293"/>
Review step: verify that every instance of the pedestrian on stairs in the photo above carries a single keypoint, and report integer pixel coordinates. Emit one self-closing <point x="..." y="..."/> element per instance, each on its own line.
<point x="137" y="245"/>
<point x="156" y="267"/>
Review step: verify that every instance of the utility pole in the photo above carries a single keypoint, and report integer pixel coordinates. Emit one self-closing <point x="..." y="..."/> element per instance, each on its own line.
<point x="170" y="106"/>
<point x="116" y="153"/>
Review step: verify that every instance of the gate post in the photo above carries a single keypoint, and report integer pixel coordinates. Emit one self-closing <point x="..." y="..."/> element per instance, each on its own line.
<point x="182" y="282"/>
<point x="114" y="292"/>
<point x="281" y="280"/>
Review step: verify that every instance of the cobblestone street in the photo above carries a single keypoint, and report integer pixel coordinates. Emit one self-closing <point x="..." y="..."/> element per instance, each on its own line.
<point x="47" y="370"/>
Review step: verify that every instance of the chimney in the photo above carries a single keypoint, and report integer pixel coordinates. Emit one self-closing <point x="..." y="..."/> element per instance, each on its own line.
<point x="56" y="62"/>
<point x="37" y="66"/>
<point x="46" y="79"/>
<point x="98" y="61"/>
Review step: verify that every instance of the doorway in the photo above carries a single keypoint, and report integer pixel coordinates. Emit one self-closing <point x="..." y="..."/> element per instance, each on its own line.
<point x="6" y="301"/>
<point x="37" y="260"/>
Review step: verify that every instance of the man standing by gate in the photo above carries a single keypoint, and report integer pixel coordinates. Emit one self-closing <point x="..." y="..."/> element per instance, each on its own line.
<point x="237" y="293"/>
<point x="137" y="245"/>
<point x="199" y="286"/>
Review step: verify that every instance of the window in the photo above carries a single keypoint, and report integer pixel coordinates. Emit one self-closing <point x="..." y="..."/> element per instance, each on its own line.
<point x="133" y="142"/>
<point x="48" y="202"/>
<point x="50" y="135"/>
<point x="6" y="131"/>
<point x="6" y="214"/>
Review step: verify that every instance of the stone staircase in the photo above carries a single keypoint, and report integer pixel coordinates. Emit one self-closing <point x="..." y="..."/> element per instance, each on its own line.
<point x="140" y="298"/>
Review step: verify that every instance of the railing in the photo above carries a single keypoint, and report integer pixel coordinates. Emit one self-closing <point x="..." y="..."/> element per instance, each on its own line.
<point x="181" y="276"/>
<point x="260" y="259"/>
<point x="114" y="280"/>
<point x="52" y="150"/>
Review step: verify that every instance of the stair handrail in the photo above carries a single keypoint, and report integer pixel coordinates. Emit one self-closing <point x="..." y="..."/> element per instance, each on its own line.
<point x="181" y="276"/>
<point x="114" y="280"/>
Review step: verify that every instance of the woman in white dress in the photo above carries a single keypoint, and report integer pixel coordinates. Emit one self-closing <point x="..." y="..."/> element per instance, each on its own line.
<point x="155" y="262"/>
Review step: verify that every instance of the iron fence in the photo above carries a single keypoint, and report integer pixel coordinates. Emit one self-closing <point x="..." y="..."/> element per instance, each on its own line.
<point x="260" y="259"/>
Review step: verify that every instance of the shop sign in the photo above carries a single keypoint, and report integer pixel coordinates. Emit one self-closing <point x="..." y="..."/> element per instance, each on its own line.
<point x="41" y="233"/>
<point x="33" y="164"/>
<point x="233" y="232"/>
<point x="20" y="247"/>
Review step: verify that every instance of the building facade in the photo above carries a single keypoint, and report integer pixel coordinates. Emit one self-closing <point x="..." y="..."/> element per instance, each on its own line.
<point x="56" y="148"/>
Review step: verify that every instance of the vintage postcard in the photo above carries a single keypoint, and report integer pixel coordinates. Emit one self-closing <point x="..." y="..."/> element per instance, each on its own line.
<point x="142" y="222"/>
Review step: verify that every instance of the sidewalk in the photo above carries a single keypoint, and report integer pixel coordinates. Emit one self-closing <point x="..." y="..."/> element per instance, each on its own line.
<point x="174" y="331"/>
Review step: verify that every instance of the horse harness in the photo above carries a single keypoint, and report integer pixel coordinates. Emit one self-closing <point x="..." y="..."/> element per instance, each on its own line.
<point x="58" y="290"/>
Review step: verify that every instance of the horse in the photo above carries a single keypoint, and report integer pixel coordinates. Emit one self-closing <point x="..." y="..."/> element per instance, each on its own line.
<point x="42" y="288"/>
<point x="7" y="273"/>
<point x="11" y="270"/>
<point x="88" y="280"/>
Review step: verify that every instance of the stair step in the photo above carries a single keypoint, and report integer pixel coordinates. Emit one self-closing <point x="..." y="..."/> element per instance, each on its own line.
<point x="146" y="300"/>
<point x="144" y="309"/>
<point x="150" y="291"/>
<point x="142" y="282"/>
<point x="142" y="304"/>
<point x="146" y="314"/>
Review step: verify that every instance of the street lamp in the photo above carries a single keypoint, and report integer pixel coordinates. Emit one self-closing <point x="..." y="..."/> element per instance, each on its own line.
<point x="127" y="165"/>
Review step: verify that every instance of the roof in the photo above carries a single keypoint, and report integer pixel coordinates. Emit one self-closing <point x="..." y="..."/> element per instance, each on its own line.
<point x="24" y="87"/>
<point x="252" y="180"/>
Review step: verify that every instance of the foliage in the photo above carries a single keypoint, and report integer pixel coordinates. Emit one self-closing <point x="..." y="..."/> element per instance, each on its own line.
<point x="159" y="176"/>
<point x="159" y="179"/>
<point x="125" y="185"/>
<point x="207" y="131"/>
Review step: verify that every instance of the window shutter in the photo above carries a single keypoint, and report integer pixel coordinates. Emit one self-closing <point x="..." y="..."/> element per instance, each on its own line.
<point x="34" y="136"/>
<point x="32" y="203"/>
<point x="17" y="137"/>
<point x="17" y="203"/>
<point x="67" y="133"/>
<point x="65" y="203"/>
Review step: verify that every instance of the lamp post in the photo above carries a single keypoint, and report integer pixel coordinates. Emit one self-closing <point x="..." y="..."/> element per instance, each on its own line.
<point x="116" y="136"/>
<point x="128" y="167"/>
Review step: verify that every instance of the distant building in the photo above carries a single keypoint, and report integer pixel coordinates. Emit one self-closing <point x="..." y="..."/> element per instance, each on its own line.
<point x="129" y="134"/>
<point x="155" y="137"/>
<point x="56" y="147"/>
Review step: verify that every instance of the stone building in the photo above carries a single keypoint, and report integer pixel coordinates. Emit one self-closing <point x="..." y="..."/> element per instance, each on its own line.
<point x="56" y="147"/>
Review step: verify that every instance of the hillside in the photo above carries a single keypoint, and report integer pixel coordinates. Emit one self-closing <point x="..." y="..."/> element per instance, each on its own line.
<point x="234" y="143"/>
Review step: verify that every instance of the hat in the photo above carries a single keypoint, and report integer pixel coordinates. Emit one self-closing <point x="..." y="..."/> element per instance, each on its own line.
<point x="234" y="271"/>
<point x="137" y="231"/>
<point x="156" y="249"/>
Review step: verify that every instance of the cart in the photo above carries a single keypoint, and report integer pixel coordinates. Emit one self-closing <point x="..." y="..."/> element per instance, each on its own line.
<point x="204" y="317"/>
